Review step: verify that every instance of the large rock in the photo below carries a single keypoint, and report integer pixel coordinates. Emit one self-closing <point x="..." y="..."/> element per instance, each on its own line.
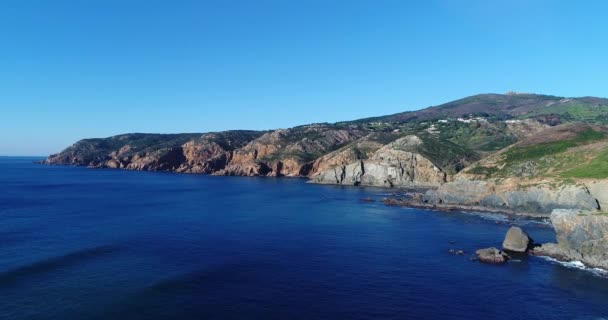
<point x="517" y="240"/>
<point x="491" y="255"/>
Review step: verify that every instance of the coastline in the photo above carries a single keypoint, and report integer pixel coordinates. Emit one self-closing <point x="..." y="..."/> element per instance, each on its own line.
<point x="454" y="207"/>
<point x="415" y="196"/>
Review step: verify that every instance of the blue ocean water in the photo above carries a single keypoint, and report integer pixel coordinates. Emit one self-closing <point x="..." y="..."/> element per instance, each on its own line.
<point x="81" y="243"/>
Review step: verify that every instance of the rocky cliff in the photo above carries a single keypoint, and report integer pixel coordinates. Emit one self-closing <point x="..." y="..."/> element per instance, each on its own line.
<point x="194" y="153"/>
<point x="289" y="152"/>
<point x="399" y="163"/>
<point x="581" y="236"/>
<point x="283" y="152"/>
<point x="511" y="196"/>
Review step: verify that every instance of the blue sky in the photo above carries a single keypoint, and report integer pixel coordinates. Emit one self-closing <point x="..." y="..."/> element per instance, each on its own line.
<point x="77" y="69"/>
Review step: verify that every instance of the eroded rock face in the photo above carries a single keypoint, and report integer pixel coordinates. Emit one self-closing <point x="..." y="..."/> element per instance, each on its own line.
<point x="204" y="156"/>
<point x="359" y="150"/>
<point x="191" y="153"/>
<point x="599" y="190"/>
<point x="538" y="199"/>
<point x="389" y="166"/>
<point x="516" y="240"/>
<point x="286" y="152"/>
<point x="581" y="237"/>
<point x="492" y="256"/>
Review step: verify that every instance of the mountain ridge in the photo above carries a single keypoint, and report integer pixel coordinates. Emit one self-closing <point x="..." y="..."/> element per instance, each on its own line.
<point x="452" y="136"/>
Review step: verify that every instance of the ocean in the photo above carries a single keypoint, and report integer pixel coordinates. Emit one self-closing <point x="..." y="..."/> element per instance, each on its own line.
<point x="80" y="243"/>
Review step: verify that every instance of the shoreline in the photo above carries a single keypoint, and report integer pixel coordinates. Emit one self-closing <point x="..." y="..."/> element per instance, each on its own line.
<point x="415" y="192"/>
<point x="409" y="197"/>
<point x="453" y="207"/>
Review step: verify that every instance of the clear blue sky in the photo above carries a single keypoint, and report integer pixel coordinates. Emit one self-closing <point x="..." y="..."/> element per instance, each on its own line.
<point x="77" y="69"/>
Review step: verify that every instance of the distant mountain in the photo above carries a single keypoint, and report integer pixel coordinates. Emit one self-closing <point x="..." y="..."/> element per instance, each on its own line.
<point x="511" y="106"/>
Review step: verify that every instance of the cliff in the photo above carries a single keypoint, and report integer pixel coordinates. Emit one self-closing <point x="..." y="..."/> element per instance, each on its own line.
<point x="402" y="162"/>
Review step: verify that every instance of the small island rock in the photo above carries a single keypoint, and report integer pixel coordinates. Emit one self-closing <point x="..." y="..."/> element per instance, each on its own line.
<point x="492" y="255"/>
<point x="517" y="240"/>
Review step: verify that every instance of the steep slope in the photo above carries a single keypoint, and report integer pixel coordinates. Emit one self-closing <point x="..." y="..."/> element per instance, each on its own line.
<point x="288" y="152"/>
<point x="567" y="151"/>
<point x="155" y="152"/>
<point x="95" y="152"/>
<point x="563" y="167"/>
<point x="403" y="162"/>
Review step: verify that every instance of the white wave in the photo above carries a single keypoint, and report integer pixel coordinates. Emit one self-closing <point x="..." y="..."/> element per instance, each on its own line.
<point x="577" y="265"/>
<point x="488" y="215"/>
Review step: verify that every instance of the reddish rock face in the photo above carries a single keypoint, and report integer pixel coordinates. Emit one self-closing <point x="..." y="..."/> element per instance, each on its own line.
<point x="284" y="152"/>
<point x="288" y="152"/>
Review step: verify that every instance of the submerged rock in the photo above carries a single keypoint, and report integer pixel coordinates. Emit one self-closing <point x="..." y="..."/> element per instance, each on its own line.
<point x="456" y="252"/>
<point x="491" y="255"/>
<point x="517" y="240"/>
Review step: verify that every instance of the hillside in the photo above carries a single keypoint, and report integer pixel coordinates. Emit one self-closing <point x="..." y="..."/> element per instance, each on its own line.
<point x="421" y="148"/>
<point x="566" y="151"/>
<point x="562" y="167"/>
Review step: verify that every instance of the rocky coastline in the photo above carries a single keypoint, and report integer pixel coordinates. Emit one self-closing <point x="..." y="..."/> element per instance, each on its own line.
<point x="510" y="154"/>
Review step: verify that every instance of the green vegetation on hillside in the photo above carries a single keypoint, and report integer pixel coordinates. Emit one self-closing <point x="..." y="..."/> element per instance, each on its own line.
<point x="575" y="111"/>
<point x="446" y="154"/>
<point x="552" y="155"/>
<point x="549" y="148"/>
<point x="596" y="168"/>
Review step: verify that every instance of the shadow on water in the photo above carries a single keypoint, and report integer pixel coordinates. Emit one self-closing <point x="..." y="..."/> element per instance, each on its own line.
<point x="54" y="263"/>
<point x="185" y="295"/>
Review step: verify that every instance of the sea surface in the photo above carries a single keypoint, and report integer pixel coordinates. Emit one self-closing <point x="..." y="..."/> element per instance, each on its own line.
<point x="78" y="243"/>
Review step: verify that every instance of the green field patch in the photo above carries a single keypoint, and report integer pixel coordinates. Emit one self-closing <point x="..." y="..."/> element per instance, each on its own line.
<point x="597" y="168"/>
<point x="517" y="154"/>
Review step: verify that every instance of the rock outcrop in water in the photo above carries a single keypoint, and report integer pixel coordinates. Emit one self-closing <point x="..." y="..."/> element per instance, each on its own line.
<point x="517" y="240"/>
<point x="492" y="256"/>
<point x="581" y="236"/>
